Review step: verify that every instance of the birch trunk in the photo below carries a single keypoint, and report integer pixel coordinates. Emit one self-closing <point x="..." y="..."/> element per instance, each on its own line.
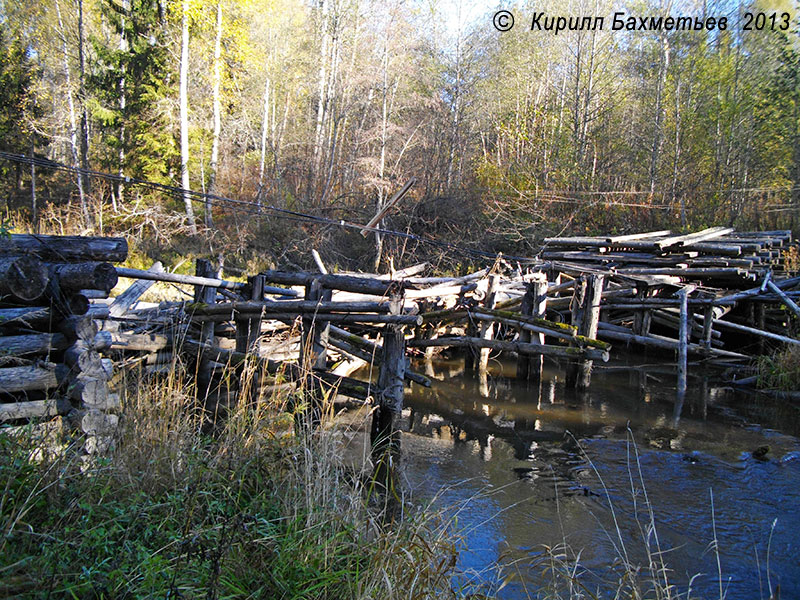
<point x="212" y="177"/>
<point x="184" y="115"/>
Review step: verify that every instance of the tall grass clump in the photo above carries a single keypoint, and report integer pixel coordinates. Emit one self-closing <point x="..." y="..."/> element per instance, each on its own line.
<point x="780" y="370"/>
<point x="253" y="510"/>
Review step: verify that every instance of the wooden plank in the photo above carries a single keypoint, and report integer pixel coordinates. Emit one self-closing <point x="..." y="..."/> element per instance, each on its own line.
<point x="130" y="296"/>
<point x="637" y="236"/>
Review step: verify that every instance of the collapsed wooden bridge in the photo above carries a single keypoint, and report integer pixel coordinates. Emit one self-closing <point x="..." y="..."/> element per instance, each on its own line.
<point x="62" y="337"/>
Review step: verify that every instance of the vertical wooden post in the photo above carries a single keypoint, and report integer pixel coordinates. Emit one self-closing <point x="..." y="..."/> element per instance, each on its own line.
<point x="247" y="334"/>
<point x="313" y="353"/>
<point x="642" y="318"/>
<point x="577" y="309"/>
<point x="683" y="339"/>
<point x="534" y="303"/>
<point x="487" y="327"/>
<point x="204" y="295"/>
<point x="708" y="326"/>
<point x="588" y="327"/>
<point x="385" y="433"/>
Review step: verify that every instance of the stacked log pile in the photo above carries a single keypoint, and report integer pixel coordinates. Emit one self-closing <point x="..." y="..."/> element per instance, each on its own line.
<point x="50" y="342"/>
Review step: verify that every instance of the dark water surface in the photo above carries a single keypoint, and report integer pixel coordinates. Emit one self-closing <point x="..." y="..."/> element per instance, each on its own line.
<point x="505" y="452"/>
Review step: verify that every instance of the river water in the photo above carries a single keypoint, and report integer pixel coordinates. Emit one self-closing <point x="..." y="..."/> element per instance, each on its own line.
<point x="525" y="467"/>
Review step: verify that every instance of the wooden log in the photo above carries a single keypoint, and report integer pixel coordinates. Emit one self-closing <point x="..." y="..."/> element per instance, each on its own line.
<point x="486" y="330"/>
<point x="81" y="327"/>
<point x="693" y="238"/>
<point x="92" y="393"/>
<point x="756" y="332"/>
<point x="44" y="376"/>
<point x="94" y="294"/>
<point x="786" y="300"/>
<point x="33" y="316"/>
<point x="68" y="248"/>
<point x="622" y="334"/>
<point x="97" y="422"/>
<point x="204" y="293"/>
<point x="637" y="236"/>
<point x="526" y="310"/>
<point x="130" y="296"/>
<point x="34" y="409"/>
<point x="359" y="285"/>
<point x="350" y="319"/>
<point x="249" y="329"/>
<point x="38" y="343"/>
<point x="440" y="291"/>
<point x="232" y="309"/>
<point x="88" y="275"/>
<point x="683" y="342"/>
<point x="195" y="280"/>
<point x="504" y="346"/>
<point x="588" y="326"/>
<point x="385" y="432"/>
<point x="139" y="342"/>
<point x="22" y="278"/>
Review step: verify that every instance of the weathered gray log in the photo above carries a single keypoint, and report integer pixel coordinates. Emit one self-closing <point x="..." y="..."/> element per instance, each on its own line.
<point x="232" y="309"/>
<point x="638" y="236"/>
<point x="359" y="285"/>
<point x="130" y="296"/>
<point x="756" y="332"/>
<point x="88" y="275"/>
<point x="68" y="248"/>
<point x="385" y="434"/>
<point x="786" y="300"/>
<point x="195" y="280"/>
<point x="82" y="328"/>
<point x="22" y="278"/>
<point x="327" y="317"/>
<point x="147" y="342"/>
<point x="315" y="332"/>
<point x="91" y="393"/>
<point x="34" y="409"/>
<point x="97" y="422"/>
<point x="94" y="294"/>
<point x="35" y="343"/>
<point x="44" y="376"/>
<point x="25" y="317"/>
<point x="527" y="309"/>
<point x="440" y="291"/>
<point x="683" y="342"/>
<point x="204" y="294"/>
<point x="693" y="238"/>
<point x="588" y="327"/>
<point x="504" y="346"/>
<point x="249" y="329"/>
<point x="486" y="330"/>
<point x="622" y="334"/>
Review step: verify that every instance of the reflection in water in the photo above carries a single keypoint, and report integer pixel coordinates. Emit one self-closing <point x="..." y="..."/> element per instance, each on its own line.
<point x="534" y="463"/>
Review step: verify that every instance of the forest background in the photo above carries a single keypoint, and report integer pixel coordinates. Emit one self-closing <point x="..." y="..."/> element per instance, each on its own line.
<point x="324" y="109"/>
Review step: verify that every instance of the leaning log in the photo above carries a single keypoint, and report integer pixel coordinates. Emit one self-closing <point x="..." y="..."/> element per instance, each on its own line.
<point x="68" y="248"/>
<point x="22" y="278"/>
<point x="176" y="278"/>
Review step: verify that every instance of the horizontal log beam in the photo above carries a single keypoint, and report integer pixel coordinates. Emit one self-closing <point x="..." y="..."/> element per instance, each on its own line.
<point x="346" y="283"/>
<point x="177" y="278"/>
<point x="504" y="346"/>
<point x="68" y="248"/>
